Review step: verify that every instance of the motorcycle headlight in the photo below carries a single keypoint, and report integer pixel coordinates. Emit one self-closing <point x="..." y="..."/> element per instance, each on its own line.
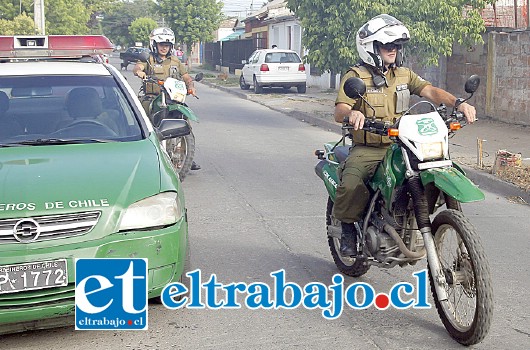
<point x="160" y="210"/>
<point x="432" y="150"/>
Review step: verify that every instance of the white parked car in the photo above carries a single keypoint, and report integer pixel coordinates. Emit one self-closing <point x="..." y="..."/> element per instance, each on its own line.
<point x="273" y="68"/>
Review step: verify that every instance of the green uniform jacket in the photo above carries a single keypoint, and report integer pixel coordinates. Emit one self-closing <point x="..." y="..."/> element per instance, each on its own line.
<point x="388" y="102"/>
<point x="170" y="67"/>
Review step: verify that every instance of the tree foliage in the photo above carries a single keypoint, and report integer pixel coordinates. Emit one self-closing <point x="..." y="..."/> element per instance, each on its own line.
<point x="330" y="27"/>
<point x="20" y="25"/>
<point x="192" y="20"/>
<point x="118" y="17"/>
<point x="140" y="29"/>
<point x="9" y="9"/>
<point x="66" y="17"/>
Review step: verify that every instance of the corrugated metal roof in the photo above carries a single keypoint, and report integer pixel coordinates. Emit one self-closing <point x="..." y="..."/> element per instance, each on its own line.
<point x="234" y="36"/>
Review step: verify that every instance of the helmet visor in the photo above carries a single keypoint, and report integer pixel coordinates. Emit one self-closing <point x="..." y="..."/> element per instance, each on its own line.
<point x="390" y="46"/>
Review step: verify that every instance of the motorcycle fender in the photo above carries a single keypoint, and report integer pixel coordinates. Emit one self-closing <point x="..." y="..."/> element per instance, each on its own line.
<point x="454" y="183"/>
<point x="186" y="111"/>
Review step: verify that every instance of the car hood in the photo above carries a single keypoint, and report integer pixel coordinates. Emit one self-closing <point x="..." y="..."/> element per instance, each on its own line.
<point x="44" y="180"/>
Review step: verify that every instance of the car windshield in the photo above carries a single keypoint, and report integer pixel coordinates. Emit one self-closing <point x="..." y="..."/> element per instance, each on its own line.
<point x="70" y="109"/>
<point x="282" y="57"/>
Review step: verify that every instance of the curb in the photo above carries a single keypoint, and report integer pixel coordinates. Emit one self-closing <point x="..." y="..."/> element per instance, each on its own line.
<point x="482" y="179"/>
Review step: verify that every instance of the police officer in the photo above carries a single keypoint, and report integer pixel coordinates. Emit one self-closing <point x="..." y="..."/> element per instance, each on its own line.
<point x="162" y="65"/>
<point x="388" y="88"/>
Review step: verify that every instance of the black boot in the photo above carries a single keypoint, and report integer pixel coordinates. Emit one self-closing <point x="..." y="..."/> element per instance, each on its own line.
<point x="195" y="166"/>
<point x="348" y="240"/>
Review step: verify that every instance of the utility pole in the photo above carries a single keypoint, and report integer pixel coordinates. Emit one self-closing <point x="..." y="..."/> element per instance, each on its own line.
<point x="38" y="8"/>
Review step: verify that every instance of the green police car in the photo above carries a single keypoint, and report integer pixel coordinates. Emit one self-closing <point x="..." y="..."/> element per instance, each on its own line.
<point x="82" y="175"/>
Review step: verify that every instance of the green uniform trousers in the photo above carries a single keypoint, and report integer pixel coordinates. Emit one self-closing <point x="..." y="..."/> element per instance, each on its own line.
<point x="352" y="194"/>
<point x="146" y="101"/>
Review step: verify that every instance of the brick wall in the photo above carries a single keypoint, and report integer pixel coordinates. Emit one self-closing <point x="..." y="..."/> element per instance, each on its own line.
<point x="503" y="65"/>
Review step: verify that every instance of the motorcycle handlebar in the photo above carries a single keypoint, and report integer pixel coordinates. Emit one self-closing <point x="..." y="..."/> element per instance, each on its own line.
<point x="455" y="116"/>
<point x="381" y="128"/>
<point x="370" y="125"/>
<point x="159" y="82"/>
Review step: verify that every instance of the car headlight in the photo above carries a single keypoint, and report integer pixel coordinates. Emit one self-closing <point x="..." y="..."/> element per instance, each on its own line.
<point x="160" y="210"/>
<point x="432" y="150"/>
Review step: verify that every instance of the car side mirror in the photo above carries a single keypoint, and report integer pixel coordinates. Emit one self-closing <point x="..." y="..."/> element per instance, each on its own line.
<point x="199" y="76"/>
<point x="171" y="128"/>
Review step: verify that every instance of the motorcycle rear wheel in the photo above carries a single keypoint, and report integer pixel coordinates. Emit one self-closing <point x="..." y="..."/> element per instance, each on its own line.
<point x="348" y="266"/>
<point x="468" y="312"/>
<point x="181" y="151"/>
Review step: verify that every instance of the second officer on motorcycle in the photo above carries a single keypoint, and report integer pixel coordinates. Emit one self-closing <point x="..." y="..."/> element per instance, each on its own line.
<point x="162" y="65"/>
<point x="388" y="88"/>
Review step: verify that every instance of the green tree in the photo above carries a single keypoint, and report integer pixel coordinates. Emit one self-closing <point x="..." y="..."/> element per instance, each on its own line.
<point x="66" y="17"/>
<point x="140" y="29"/>
<point x="23" y="25"/>
<point x="192" y="20"/>
<point x="118" y="17"/>
<point x="330" y="27"/>
<point x="9" y="9"/>
<point x="20" y="25"/>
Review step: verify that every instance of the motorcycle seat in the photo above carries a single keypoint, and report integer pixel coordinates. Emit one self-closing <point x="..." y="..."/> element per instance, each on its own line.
<point x="342" y="153"/>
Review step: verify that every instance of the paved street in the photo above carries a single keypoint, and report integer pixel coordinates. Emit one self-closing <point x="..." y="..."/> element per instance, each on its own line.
<point x="316" y="108"/>
<point x="256" y="206"/>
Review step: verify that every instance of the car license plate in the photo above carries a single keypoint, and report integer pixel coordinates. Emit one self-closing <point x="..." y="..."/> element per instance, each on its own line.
<point x="32" y="276"/>
<point x="283" y="68"/>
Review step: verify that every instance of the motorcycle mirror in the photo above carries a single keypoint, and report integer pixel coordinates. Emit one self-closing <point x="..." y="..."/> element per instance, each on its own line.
<point x="354" y="87"/>
<point x="144" y="56"/>
<point x="472" y="84"/>
<point x="199" y="76"/>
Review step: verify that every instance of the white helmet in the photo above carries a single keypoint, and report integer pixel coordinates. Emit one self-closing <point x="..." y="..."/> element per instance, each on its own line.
<point x="382" y="29"/>
<point x="161" y="35"/>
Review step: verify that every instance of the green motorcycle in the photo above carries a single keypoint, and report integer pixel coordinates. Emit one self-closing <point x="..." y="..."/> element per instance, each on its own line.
<point x="170" y="104"/>
<point x="415" y="180"/>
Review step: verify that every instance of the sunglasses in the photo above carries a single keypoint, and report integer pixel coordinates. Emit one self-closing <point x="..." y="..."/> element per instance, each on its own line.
<point x="391" y="46"/>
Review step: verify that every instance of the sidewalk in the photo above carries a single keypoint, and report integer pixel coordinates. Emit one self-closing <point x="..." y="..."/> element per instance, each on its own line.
<point x="316" y="108"/>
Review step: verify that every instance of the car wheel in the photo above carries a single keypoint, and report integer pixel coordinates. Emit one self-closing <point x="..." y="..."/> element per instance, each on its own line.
<point x="242" y="84"/>
<point x="257" y="88"/>
<point x="301" y="88"/>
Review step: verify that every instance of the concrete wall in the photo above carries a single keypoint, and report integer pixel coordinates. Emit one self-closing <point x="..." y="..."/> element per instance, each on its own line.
<point x="286" y="35"/>
<point x="508" y="89"/>
<point x="503" y="65"/>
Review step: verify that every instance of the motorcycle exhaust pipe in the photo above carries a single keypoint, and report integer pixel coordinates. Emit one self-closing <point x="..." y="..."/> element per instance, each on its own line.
<point x="401" y="245"/>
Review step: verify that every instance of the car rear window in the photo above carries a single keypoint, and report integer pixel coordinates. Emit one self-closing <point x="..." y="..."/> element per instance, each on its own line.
<point x="282" y="57"/>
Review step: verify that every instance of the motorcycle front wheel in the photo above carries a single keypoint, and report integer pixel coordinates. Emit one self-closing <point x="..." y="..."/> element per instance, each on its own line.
<point x="181" y="151"/>
<point x="468" y="310"/>
<point x="347" y="265"/>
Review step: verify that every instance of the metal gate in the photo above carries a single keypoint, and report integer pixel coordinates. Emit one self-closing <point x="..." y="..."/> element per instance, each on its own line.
<point x="234" y="51"/>
<point x="212" y="53"/>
